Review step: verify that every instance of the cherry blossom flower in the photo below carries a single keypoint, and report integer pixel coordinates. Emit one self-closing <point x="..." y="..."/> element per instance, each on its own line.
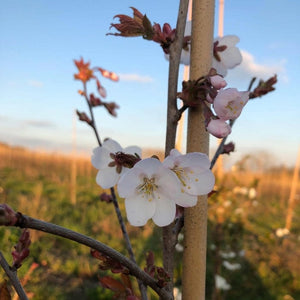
<point x="229" y="103"/>
<point x="112" y="161"/>
<point x="150" y="191"/>
<point x="194" y="174"/>
<point x="226" y="55"/>
<point x="218" y="128"/>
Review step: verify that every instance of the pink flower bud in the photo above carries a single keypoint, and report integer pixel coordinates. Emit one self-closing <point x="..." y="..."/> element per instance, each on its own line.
<point x="218" y="128"/>
<point x="229" y="103"/>
<point x="218" y="82"/>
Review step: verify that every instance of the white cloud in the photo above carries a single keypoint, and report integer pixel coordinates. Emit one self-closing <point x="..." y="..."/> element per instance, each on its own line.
<point x="35" y="83"/>
<point x="251" y="68"/>
<point x="136" y="77"/>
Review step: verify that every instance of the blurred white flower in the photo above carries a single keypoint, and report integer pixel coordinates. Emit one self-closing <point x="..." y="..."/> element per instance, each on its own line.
<point x="221" y="283"/>
<point x="179" y="247"/>
<point x="252" y="193"/>
<point x="227" y="203"/>
<point x="177" y="294"/>
<point x="227" y="255"/>
<point x="281" y="232"/>
<point x="231" y="266"/>
<point x="110" y="169"/>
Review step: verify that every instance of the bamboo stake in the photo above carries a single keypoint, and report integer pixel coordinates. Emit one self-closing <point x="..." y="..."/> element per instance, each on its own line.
<point x="195" y="218"/>
<point x="291" y="204"/>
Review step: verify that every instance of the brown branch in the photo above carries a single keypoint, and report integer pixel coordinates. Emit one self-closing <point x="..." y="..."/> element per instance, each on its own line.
<point x="28" y="222"/>
<point x="12" y="275"/>
<point x="169" y="238"/>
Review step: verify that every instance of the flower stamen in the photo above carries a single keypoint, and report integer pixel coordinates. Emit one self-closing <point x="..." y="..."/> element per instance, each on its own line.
<point x="148" y="187"/>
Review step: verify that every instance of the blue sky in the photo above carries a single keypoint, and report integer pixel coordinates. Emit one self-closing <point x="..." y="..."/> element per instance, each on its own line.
<point x="40" y="39"/>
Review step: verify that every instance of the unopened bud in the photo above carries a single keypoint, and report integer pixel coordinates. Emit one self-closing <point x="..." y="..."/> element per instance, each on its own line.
<point x="227" y="148"/>
<point x="21" y="249"/>
<point x="218" y="128"/>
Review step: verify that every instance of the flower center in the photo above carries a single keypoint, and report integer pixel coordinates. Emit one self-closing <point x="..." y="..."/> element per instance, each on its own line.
<point x="147" y="188"/>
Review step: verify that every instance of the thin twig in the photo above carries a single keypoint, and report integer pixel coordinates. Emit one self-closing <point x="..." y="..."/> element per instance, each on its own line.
<point x="180" y="112"/>
<point x="169" y="238"/>
<point x="93" y="125"/>
<point x="12" y="275"/>
<point x="28" y="222"/>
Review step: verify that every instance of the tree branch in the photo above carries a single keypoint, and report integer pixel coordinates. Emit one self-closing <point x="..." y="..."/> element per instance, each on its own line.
<point x="28" y="222"/>
<point x="169" y="238"/>
<point x="12" y="275"/>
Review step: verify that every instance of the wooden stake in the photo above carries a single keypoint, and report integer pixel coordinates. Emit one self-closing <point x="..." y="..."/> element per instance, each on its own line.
<point x="195" y="218"/>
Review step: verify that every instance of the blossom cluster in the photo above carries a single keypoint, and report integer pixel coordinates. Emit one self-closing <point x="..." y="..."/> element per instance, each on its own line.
<point x="227" y="103"/>
<point x="151" y="188"/>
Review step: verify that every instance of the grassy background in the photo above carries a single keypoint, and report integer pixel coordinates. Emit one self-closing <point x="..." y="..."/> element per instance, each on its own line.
<point x="242" y="229"/>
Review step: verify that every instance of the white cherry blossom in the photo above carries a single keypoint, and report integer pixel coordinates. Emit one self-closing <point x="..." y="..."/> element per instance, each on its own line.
<point x="229" y="103"/>
<point x="194" y="174"/>
<point x="225" y="54"/>
<point x="110" y="170"/>
<point x="150" y="191"/>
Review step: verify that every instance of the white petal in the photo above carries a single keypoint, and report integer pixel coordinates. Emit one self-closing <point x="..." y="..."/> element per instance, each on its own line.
<point x="231" y="57"/>
<point x="186" y="200"/>
<point x="165" y="211"/>
<point x="175" y="153"/>
<point x="149" y="166"/>
<point x="200" y="184"/>
<point x="101" y="157"/>
<point x="221" y="69"/>
<point x="195" y="160"/>
<point x="169" y="162"/>
<point x="129" y="182"/>
<point x="228" y="40"/>
<point x="168" y="183"/>
<point x="133" y="150"/>
<point x="107" y="177"/>
<point x="112" y="146"/>
<point x="139" y="210"/>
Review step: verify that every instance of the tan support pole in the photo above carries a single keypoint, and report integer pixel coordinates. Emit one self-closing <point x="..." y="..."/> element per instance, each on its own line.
<point x="195" y="218"/>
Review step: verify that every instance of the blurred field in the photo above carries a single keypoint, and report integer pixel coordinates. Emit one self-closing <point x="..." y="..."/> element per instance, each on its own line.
<point x="245" y="245"/>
